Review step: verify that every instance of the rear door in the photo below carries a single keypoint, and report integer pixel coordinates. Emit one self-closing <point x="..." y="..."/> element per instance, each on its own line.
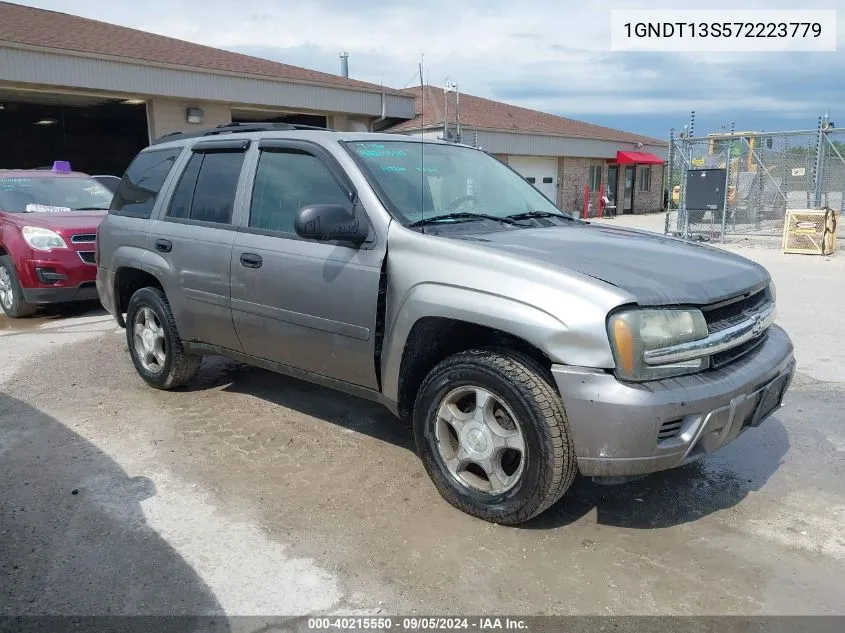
<point x="194" y="235"/>
<point x="309" y="305"/>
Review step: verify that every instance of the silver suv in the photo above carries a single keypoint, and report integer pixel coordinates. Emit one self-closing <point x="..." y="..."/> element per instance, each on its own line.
<point x="524" y="344"/>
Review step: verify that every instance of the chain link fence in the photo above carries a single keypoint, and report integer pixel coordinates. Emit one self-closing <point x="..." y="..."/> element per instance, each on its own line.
<point x="742" y="183"/>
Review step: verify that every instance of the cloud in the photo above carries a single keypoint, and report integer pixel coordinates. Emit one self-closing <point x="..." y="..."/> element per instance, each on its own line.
<point x="548" y="55"/>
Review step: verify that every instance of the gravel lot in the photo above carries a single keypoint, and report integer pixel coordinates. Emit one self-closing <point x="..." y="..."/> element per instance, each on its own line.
<point x="251" y="493"/>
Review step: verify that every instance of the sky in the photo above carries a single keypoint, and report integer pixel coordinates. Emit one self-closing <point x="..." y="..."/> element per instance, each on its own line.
<point x="549" y="55"/>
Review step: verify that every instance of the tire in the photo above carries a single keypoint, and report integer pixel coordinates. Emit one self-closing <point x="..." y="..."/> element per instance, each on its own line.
<point x="523" y="388"/>
<point x="164" y="365"/>
<point x="11" y="295"/>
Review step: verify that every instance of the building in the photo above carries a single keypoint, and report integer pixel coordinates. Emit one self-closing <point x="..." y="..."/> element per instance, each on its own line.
<point x="560" y="156"/>
<point x="95" y="93"/>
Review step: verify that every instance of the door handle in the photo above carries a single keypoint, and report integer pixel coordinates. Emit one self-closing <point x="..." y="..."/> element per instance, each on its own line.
<point x="164" y="246"/>
<point x="251" y="260"/>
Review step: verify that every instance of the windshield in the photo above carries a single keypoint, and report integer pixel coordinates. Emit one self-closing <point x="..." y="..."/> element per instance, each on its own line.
<point x="423" y="180"/>
<point x="22" y="194"/>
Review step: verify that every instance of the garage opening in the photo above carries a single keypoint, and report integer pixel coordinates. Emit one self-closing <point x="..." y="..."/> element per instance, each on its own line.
<point x="96" y="136"/>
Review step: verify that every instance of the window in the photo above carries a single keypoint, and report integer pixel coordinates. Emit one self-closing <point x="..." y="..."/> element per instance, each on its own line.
<point x="547" y="180"/>
<point x="206" y="189"/>
<point x="286" y="181"/>
<point x="594" y="178"/>
<point x="59" y="193"/>
<point x="531" y="179"/>
<point x="416" y="180"/>
<point x="136" y="195"/>
<point x="645" y="179"/>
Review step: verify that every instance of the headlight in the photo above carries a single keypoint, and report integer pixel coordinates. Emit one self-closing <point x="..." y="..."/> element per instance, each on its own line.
<point x="42" y="239"/>
<point x="773" y="292"/>
<point x="633" y="332"/>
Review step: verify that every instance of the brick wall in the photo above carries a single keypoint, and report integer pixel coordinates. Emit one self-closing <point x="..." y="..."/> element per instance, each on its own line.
<point x="573" y="175"/>
<point x="652" y="200"/>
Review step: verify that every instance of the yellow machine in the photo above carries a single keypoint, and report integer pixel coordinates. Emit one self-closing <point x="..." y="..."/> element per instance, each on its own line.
<point x="718" y="141"/>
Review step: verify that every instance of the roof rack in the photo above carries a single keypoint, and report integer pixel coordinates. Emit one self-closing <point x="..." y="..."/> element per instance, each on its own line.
<point x="232" y="128"/>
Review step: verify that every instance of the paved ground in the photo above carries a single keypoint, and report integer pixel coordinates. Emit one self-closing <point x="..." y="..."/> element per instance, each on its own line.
<point x="250" y="493"/>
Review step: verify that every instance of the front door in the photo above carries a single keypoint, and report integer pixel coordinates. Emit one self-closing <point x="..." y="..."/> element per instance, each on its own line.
<point x="308" y="305"/>
<point x="628" y="192"/>
<point x="612" y="184"/>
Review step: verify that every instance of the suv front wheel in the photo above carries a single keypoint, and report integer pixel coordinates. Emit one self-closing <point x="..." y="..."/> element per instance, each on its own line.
<point x="154" y="342"/>
<point x="493" y="436"/>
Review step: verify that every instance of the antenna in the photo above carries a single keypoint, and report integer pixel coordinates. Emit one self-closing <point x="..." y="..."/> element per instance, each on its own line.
<point x="422" y="144"/>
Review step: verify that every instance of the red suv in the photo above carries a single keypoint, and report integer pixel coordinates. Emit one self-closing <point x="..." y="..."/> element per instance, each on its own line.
<point x="48" y="231"/>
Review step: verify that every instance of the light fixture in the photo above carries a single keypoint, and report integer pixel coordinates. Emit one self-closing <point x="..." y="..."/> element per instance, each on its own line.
<point x="193" y="115"/>
<point x="45" y="122"/>
<point x="133" y="101"/>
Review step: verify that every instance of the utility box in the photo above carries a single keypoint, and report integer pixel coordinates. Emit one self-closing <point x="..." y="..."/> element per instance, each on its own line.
<point x="705" y="189"/>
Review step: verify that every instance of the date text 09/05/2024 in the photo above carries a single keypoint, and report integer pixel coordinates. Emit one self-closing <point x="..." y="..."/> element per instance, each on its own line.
<point x="416" y="623"/>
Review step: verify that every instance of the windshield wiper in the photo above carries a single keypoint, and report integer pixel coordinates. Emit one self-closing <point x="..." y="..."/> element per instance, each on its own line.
<point x="90" y="209"/>
<point x="539" y="214"/>
<point x="464" y="215"/>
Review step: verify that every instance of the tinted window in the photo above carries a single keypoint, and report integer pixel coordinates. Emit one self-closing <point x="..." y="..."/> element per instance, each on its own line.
<point x="180" y="203"/>
<point x="285" y="182"/>
<point x="142" y="182"/>
<point x="207" y="187"/>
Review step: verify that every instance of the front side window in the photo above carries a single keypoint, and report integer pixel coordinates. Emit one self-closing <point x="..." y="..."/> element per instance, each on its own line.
<point x="207" y="187"/>
<point x="420" y="180"/>
<point x="24" y="194"/>
<point x="287" y="180"/>
<point x="142" y="182"/>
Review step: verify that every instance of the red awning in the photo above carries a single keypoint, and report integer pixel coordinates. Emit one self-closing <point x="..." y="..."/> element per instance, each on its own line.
<point x="638" y="157"/>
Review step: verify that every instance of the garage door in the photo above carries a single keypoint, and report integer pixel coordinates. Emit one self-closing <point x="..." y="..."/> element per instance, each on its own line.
<point x="541" y="172"/>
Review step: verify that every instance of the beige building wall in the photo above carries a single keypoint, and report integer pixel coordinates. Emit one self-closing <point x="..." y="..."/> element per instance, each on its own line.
<point x="169" y="115"/>
<point x="346" y="123"/>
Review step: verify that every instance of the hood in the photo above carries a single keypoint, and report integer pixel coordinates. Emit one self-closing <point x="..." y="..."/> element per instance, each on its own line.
<point x="62" y="222"/>
<point x="657" y="270"/>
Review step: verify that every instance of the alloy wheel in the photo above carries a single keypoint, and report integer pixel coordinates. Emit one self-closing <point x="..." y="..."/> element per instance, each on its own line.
<point x="479" y="440"/>
<point x="6" y="291"/>
<point x="150" y="344"/>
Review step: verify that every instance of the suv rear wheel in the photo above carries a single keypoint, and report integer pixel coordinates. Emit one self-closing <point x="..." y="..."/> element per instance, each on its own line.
<point x="154" y="342"/>
<point x="11" y="296"/>
<point x="493" y="436"/>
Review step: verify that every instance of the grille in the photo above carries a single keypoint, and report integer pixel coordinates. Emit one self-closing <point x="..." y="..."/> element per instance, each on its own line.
<point x="670" y="429"/>
<point x="88" y="257"/>
<point x="724" y="315"/>
<point x="84" y="238"/>
<point x="723" y="358"/>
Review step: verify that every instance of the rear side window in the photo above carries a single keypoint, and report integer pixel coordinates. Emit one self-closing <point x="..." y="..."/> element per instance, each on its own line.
<point x="207" y="187"/>
<point x="136" y="195"/>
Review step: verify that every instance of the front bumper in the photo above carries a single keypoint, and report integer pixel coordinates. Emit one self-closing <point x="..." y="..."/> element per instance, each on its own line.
<point x="57" y="276"/>
<point x="615" y="425"/>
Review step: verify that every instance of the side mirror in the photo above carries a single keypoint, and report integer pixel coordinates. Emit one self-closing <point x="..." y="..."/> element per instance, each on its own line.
<point x="330" y="222"/>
